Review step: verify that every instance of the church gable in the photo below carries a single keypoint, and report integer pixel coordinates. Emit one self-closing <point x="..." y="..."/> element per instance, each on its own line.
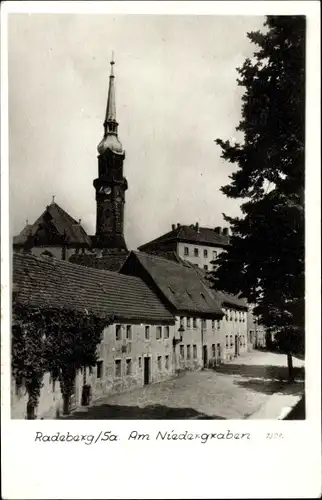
<point x="54" y="227"/>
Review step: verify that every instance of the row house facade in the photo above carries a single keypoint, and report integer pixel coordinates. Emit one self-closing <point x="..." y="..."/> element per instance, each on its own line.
<point x="165" y="319"/>
<point x="136" y="348"/>
<point x="205" y="318"/>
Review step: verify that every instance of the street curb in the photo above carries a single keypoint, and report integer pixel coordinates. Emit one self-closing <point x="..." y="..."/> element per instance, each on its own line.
<point x="287" y="409"/>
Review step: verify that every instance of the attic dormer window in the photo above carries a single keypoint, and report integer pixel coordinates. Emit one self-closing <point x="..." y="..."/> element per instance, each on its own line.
<point x="172" y="291"/>
<point x="47" y="254"/>
<point x="202" y="295"/>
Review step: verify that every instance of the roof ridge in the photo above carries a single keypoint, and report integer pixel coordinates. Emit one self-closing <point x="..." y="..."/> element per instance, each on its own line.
<point x="156" y="256"/>
<point x="63" y="212"/>
<point x="59" y="262"/>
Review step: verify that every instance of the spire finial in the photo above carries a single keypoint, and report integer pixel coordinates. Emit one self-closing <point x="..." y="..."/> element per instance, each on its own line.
<point x="53" y="200"/>
<point x="112" y="63"/>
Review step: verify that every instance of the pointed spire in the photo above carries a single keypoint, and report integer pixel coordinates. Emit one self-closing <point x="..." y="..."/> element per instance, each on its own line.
<point x="111" y="108"/>
<point x="110" y="139"/>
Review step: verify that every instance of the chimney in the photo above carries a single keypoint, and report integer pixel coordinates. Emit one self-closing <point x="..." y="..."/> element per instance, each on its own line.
<point x="197" y="227"/>
<point x="173" y="226"/>
<point x="217" y="230"/>
<point x="79" y="221"/>
<point x="225" y="231"/>
<point x="178" y="225"/>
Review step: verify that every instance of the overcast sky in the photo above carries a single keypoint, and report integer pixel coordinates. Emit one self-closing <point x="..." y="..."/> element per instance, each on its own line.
<point x="176" y="92"/>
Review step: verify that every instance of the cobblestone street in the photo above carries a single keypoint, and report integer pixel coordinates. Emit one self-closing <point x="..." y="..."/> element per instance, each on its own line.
<point x="251" y="386"/>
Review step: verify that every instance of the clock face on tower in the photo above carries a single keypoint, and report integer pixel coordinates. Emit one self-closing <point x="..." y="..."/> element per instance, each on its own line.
<point x="105" y="190"/>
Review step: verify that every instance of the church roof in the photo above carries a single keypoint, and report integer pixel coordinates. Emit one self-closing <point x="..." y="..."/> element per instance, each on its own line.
<point x="54" y="224"/>
<point x="181" y="285"/>
<point x="190" y="234"/>
<point x="47" y="282"/>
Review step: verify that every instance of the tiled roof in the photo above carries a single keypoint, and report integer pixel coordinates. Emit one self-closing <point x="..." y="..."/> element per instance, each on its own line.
<point x="190" y="234"/>
<point x="54" y="222"/>
<point x="109" y="262"/>
<point x="45" y="282"/>
<point x="222" y="297"/>
<point x="179" y="284"/>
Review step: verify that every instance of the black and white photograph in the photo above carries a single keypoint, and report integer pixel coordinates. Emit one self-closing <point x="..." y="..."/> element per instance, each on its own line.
<point x="157" y="219"/>
<point x="119" y="311"/>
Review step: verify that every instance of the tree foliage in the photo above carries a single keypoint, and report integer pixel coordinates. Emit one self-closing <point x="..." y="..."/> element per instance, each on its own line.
<point x="54" y="340"/>
<point x="265" y="261"/>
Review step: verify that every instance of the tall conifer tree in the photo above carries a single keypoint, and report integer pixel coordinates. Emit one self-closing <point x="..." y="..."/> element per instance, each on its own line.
<point x="265" y="261"/>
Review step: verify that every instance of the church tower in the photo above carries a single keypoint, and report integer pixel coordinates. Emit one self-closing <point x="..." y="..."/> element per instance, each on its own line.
<point x="110" y="185"/>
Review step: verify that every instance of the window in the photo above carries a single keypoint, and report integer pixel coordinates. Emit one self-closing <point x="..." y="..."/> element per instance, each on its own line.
<point x="140" y="362"/>
<point x="205" y="253"/>
<point x="99" y="369"/>
<point x="226" y="340"/>
<point x="129" y="332"/>
<point x="167" y="362"/>
<point x="205" y="267"/>
<point x="188" y="352"/>
<point x="166" y="332"/>
<point x="218" y="351"/>
<point x="218" y="324"/>
<point x="159" y="363"/>
<point x="214" y="254"/>
<point x="194" y="351"/>
<point x="186" y="250"/>
<point x="204" y="323"/>
<point x="118" y="332"/>
<point x="117" y="368"/>
<point x="46" y="254"/>
<point x="194" y="322"/>
<point x="129" y="367"/>
<point x="159" y="332"/>
<point x="182" y="352"/>
<point x="188" y="322"/>
<point x="230" y="315"/>
<point x="244" y="340"/>
<point x="213" y="324"/>
<point x="231" y="341"/>
<point x="147" y="333"/>
<point x="213" y="348"/>
<point x="196" y="252"/>
<point x="182" y="321"/>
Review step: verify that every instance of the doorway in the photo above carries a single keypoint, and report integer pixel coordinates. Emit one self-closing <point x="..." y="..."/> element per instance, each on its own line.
<point x="147" y="370"/>
<point x="236" y="346"/>
<point x="205" y="356"/>
<point x="218" y="354"/>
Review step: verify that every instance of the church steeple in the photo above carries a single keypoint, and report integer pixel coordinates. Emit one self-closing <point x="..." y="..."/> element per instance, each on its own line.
<point x="110" y="139"/>
<point x="110" y="117"/>
<point x="110" y="185"/>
